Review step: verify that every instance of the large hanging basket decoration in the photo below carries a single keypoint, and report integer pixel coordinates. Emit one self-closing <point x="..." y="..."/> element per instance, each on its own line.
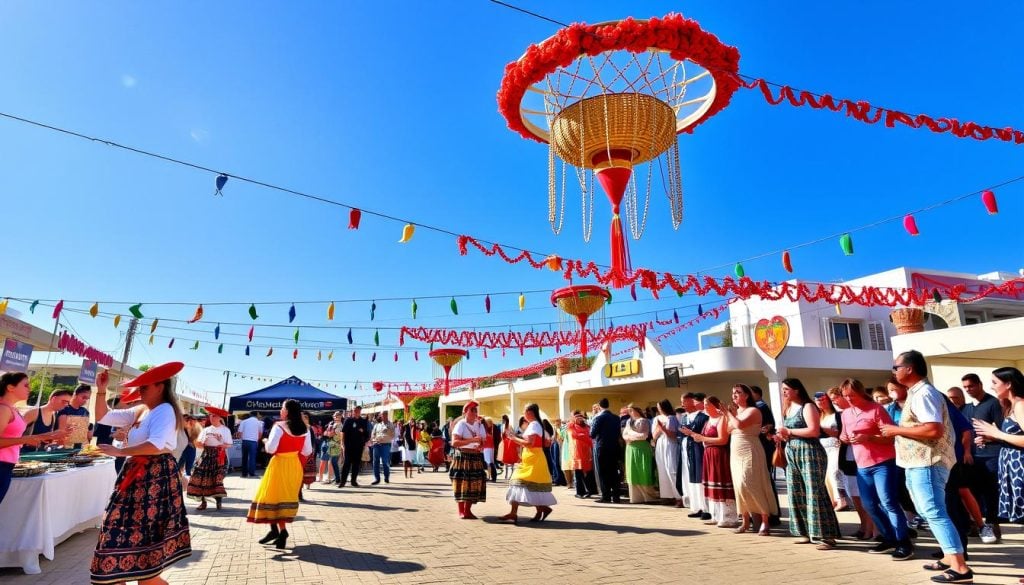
<point x="445" y="359"/>
<point x="610" y="96"/>
<point x="581" y="302"/>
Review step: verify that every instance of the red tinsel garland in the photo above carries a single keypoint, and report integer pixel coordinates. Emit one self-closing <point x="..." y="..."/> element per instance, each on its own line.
<point x="681" y="37"/>
<point x="863" y="111"/>
<point x="711" y="314"/>
<point x="745" y="288"/>
<point x="521" y="341"/>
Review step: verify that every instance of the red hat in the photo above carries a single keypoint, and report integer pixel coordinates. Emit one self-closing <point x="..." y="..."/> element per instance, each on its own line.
<point x="131" y="396"/>
<point x="155" y="374"/>
<point x="217" y="411"/>
<point x="470" y="404"/>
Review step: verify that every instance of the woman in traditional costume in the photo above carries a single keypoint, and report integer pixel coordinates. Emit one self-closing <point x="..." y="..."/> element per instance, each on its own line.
<point x="531" y="483"/>
<point x="207" y="479"/>
<point x="276" y="500"/>
<point x="639" y="458"/>
<point x="309" y="463"/>
<point x="144" y="529"/>
<point x="468" y="470"/>
<point x="582" y="456"/>
<point x="666" y="452"/>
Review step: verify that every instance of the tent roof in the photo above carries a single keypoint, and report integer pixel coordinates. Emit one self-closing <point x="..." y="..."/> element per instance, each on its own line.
<point x="271" y="397"/>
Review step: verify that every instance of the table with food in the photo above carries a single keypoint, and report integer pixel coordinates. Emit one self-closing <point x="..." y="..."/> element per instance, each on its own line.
<point x="54" y="495"/>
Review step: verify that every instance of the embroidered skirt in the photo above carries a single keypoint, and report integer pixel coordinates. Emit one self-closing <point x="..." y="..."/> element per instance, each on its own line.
<point x="208" y="475"/>
<point x="145" y="528"/>
<point x="469" y="477"/>
<point x="277" y="498"/>
<point x="309" y="471"/>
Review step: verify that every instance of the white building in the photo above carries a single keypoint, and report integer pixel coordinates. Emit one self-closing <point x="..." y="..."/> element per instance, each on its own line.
<point x="825" y="345"/>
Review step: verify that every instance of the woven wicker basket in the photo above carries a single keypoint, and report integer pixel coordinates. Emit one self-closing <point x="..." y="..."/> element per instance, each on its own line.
<point x="634" y="122"/>
<point x="907" y="320"/>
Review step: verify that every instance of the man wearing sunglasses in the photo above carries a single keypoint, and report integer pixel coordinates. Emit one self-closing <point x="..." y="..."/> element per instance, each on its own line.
<point x="924" y="448"/>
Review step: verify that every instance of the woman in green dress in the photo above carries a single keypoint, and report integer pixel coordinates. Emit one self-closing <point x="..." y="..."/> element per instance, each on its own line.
<point x="639" y="458"/>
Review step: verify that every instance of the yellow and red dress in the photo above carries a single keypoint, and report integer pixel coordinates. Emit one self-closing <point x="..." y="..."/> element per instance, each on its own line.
<point x="277" y="498"/>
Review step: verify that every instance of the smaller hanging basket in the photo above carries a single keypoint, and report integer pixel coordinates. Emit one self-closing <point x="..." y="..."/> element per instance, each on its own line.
<point x="908" y="320"/>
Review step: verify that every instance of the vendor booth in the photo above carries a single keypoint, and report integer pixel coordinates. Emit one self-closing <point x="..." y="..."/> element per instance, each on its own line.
<point x="271" y="398"/>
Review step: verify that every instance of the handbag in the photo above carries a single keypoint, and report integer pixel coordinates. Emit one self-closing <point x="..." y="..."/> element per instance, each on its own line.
<point x="779" y="456"/>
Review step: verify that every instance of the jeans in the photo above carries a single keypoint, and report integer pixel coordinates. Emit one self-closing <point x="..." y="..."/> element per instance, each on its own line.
<point x="187" y="459"/>
<point x="381" y="455"/>
<point x="879" y="492"/>
<point x="335" y="468"/>
<point x="249" y="449"/>
<point x="927" y="486"/>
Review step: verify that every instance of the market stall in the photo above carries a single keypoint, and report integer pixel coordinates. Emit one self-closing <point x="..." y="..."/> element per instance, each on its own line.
<point x="42" y="511"/>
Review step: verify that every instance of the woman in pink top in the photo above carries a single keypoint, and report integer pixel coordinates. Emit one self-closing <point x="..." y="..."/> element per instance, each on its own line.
<point x="14" y="389"/>
<point x="877" y="475"/>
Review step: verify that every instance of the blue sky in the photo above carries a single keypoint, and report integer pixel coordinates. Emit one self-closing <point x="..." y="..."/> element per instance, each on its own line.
<point x="391" y="106"/>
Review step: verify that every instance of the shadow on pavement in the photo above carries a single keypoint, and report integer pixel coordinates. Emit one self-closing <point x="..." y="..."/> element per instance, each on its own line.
<point x="339" y="558"/>
<point x="524" y="521"/>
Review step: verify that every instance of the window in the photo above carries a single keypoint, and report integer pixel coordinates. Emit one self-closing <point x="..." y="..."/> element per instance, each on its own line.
<point x="846" y="335"/>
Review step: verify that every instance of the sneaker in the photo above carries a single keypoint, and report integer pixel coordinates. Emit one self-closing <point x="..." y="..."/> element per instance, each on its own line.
<point x="882" y="547"/>
<point x="988" y="536"/>
<point x="951" y="576"/>
<point x="903" y="552"/>
<point x="705" y="516"/>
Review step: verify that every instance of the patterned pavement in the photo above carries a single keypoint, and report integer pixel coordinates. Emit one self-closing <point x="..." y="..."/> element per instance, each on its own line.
<point x="408" y="532"/>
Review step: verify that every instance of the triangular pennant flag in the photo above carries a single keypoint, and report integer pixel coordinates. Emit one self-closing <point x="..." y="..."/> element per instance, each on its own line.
<point x="330" y="311"/>
<point x="152" y="327"/>
<point x="353" y="218"/>
<point x="487" y="303"/>
<point x="318" y="355"/>
<point x="522" y="301"/>
<point x="416" y="356"/>
<point x="738" y="270"/>
<point x="353" y="356"/>
<point x="407" y="233"/>
<point x="376" y="337"/>
<point x="151" y="340"/>
<point x="252" y="330"/>
<point x="117" y="321"/>
<point x="632" y="291"/>
<point x="57" y="309"/>
<point x="252" y="312"/>
<point x="196" y="345"/>
<point x="291" y="313"/>
<point x="198" y="315"/>
<point x="296" y="336"/>
<point x="93" y="310"/>
<point x="216" y="331"/>
<point x="32" y="307"/>
<point x="675" y="316"/>
<point x="373" y="310"/>
<point x="700" y="310"/>
<point x="220" y="348"/>
<point x="454" y="306"/>
<point x="330" y="355"/>
<point x="219" y="183"/>
<point x="415" y="308"/>
<point x="247" y="350"/>
<point x="295" y="354"/>
<point x="396" y="356"/>
<point x="171" y="344"/>
<point x="136" y="310"/>
<point x="846" y="243"/>
<point x="270" y="352"/>
<point x="373" y="357"/>
<point x="350" y="336"/>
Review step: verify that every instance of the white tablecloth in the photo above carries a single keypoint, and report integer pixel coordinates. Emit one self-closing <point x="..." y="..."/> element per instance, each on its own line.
<point x="41" y="512"/>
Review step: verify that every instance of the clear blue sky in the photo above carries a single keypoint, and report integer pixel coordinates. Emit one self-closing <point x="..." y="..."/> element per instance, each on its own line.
<point x="391" y="106"/>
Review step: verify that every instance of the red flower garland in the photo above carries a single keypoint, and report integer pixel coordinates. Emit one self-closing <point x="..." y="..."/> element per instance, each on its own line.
<point x="681" y="37"/>
<point x="745" y="288"/>
<point x="521" y="341"/>
<point x="863" y="111"/>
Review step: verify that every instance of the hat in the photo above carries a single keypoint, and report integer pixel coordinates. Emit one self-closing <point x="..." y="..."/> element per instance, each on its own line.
<point x="131" y="396"/>
<point x="819" y="395"/>
<point x="470" y="404"/>
<point x="155" y="374"/>
<point x="216" y="411"/>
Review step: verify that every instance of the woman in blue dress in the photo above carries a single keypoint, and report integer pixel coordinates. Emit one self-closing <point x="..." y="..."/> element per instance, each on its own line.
<point x="1008" y="384"/>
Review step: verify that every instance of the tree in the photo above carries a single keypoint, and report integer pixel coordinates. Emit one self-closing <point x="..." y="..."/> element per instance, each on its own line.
<point x="44" y="381"/>
<point x="425" y="408"/>
<point x="726" y="335"/>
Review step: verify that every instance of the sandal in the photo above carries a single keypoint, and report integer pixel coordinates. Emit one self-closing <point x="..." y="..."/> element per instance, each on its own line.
<point x="936" y="566"/>
<point x="951" y="576"/>
<point x="826" y="544"/>
<point x="740" y="530"/>
<point x="765" y="531"/>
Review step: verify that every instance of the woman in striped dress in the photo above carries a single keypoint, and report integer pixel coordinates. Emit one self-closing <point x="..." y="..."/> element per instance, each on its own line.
<point x="811" y="514"/>
<point x="468" y="471"/>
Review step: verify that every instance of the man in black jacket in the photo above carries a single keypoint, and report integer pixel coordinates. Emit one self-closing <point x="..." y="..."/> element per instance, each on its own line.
<point x="605" y="431"/>
<point x="354" y="436"/>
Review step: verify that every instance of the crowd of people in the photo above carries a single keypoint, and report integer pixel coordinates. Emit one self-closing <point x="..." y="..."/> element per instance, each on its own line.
<point x="905" y="456"/>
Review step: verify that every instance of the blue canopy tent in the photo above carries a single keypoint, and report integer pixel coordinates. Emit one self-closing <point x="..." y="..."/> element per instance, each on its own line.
<point x="271" y="398"/>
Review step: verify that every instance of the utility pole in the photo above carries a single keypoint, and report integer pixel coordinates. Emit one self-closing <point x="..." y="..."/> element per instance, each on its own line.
<point x="224" y="400"/>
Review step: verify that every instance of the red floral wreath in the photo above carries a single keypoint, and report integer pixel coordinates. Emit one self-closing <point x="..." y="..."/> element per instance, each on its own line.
<point x="681" y="37"/>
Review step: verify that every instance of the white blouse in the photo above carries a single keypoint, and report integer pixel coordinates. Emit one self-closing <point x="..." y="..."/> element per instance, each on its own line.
<point x="156" y="426"/>
<point x="212" y="436"/>
<point x="466" y="430"/>
<point x="274" y="440"/>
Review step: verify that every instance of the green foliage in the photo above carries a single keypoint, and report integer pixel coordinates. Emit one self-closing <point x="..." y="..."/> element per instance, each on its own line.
<point x="425" y="408"/>
<point x="144" y="367"/>
<point x="726" y="336"/>
<point x="451" y="412"/>
<point x="397" y="415"/>
<point x="44" y="382"/>
<point x="574" y="366"/>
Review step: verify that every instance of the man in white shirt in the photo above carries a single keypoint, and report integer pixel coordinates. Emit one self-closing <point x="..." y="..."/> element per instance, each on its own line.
<point x="381" y="436"/>
<point x="250" y="431"/>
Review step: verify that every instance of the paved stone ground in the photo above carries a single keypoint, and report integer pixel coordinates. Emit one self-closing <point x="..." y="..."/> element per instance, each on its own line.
<point x="408" y="532"/>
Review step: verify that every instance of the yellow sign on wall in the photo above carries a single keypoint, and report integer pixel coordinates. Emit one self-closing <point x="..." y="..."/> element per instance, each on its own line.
<point x="622" y="369"/>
